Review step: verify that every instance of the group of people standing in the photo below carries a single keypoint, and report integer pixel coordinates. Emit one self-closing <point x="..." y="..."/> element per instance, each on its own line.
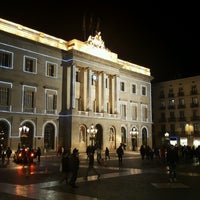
<point x="70" y="164"/>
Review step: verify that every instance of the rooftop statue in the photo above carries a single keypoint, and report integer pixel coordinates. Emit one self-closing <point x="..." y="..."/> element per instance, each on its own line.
<point x="96" y="40"/>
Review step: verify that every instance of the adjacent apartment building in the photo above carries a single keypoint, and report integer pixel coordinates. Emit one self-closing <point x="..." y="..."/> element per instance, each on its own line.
<point x="70" y="93"/>
<point x="176" y="112"/>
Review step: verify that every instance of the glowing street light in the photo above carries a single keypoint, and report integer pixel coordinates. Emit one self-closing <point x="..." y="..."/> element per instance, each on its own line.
<point x="24" y="132"/>
<point x="92" y="131"/>
<point x="2" y="138"/>
<point x="189" y="129"/>
<point x="134" y="133"/>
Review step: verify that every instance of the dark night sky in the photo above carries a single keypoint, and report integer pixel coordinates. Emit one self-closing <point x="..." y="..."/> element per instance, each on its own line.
<point x="163" y="36"/>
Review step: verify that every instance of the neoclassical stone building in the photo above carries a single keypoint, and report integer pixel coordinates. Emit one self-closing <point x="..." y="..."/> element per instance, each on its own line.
<point x="70" y="93"/>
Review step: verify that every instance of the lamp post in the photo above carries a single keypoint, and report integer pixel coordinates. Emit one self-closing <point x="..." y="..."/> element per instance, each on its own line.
<point x="2" y="139"/>
<point x="134" y="133"/>
<point x="92" y="131"/>
<point x="167" y="138"/>
<point x="189" y="128"/>
<point x="24" y="133"/>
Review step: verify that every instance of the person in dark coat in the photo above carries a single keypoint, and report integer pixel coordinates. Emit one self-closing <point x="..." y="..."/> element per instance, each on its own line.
<point x="107" y="153"/>
<point x="142" y="151"/>
<point x="91" y="165"/>
<point x="38" y="153"/>
<point x="74" y="167"/>
<point x="65" y="162"/>
<point x="8" y="153"/>
<point x="120" y="153"/>
<point x="172" y="159"/>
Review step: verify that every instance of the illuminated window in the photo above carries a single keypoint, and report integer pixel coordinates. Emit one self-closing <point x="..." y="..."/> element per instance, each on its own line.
<point x="194" y="101"/>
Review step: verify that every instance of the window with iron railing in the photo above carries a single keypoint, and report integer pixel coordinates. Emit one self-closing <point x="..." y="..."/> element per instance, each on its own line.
<point x="6" y="59"/>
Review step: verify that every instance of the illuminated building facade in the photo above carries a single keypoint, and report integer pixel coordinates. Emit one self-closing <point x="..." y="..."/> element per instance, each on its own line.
<point x="59" y="88"/>
<point x="176" y="111"/>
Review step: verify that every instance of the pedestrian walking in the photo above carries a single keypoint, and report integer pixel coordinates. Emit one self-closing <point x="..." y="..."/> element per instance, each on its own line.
<point x="107" y="154"/>
<point x="142" y="151"/>
<point x="91" y="166"/>
<point x="38" y="153"/>
<point x="99" y="160"/>
<point x="74" y="167"/>
<point x="8" y="153"/>
<point x="172" y="159"/>
<point x="120" y="153"/>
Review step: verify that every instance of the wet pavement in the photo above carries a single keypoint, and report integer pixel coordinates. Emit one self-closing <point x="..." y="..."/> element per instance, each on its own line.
<point x="136" y="179"/>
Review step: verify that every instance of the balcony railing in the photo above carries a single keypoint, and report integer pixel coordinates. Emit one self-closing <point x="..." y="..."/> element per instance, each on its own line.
<point x="172" y="119"/>
<point x="194" y="105"/>
<point x="171" y="106"/>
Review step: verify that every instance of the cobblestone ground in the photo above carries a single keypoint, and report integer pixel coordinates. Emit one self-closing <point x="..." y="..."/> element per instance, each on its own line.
<point x="136" y="179"/>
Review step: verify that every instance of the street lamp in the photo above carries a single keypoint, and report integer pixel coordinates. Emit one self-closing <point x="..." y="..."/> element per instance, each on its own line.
<point x="167" y="138"/>
<point x="134" y="133"/>
<point x="189" y="128"/>
<point x="92" y="131"/>
<point x="24" y="133"/>
<point x="2" y="138"/>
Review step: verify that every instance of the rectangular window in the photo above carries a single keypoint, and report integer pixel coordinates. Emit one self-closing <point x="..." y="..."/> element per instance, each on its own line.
<point x="182" y="128"/>
<point x="144" y="113"/>
<point x="180" y="91"/>
<point x="162" y="115"/>
<point x="30" y="64"/>
<point x="123" y="111"/>
<point x="196" y="127"/>
<point x="6" y="59"/>
<point x="162" y="104"/>
<point x="144" y="91"/>
<point x="194" y="89"/>
<point x="5" y="92"/>
<point x="122" y="86"/>
<point x="29" y="99"/>
<point x="171" y="102"/>
<point x="133" y="89"/>
<point x="51" y="101"/>
<point x="134" y="112"/>
<point x="181" y="102"/>
<point x="194" y="101"/>
<point x="162" y="94"/>
<point x="171" y="114"/>
<point x="51" y="69"/>
<point x="77" y="76"/>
